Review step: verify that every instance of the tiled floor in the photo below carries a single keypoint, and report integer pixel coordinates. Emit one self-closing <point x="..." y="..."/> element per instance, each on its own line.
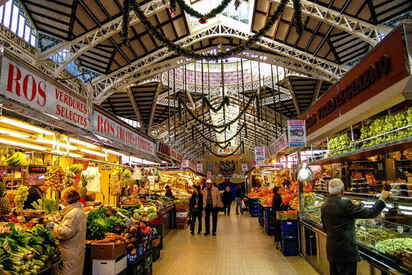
<point x="240" y="248"/>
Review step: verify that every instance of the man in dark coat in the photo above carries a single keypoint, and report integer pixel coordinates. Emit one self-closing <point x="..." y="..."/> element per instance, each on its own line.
<point x="338" y="218"/>
<point x="196" y="209"/>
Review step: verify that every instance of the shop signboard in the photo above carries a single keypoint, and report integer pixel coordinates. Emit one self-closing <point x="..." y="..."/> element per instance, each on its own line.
<point x="163" y="148"/>
<point x="31" y="89"/>
<point x="176" y="155"/>
<point x="384" y="66"/>
<point x="199" y="168"/>
<point x="259" y="155"/>
<point x="280" y="144"/>
<point x="108" y="128"/>
<point x="296" y="133"/>
<point x="245" y="167"/>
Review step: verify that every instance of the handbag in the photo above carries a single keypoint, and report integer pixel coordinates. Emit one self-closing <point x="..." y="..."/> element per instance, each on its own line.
<point x="243" y="205"/>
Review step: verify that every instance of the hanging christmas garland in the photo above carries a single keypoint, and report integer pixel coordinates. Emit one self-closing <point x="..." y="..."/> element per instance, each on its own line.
<point x="206" y="102"/>
<point x="220" y="55"/>
<point x="225" y="155"/>
<point x="222" y="6"/>
<point x="219" y="142"/>
<point x="216" y="126"/>
<point x="298" y="17"/>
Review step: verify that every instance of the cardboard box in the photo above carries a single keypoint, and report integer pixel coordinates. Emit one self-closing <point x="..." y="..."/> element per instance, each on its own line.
<point x="107" y="251"/>
<point x="109" y="267"/>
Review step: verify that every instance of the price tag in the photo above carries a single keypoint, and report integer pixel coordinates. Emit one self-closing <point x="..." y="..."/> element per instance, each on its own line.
<point x="400" y="229"/>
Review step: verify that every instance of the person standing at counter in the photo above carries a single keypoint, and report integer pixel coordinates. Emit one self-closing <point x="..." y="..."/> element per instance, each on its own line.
<point x="276" y="206"/>
<point x="338" y="219"/>
<point x="169" y="192"/>
<point x="71" y="232"/>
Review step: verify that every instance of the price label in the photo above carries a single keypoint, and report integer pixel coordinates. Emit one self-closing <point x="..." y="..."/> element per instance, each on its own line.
<point x="400" y="229"/>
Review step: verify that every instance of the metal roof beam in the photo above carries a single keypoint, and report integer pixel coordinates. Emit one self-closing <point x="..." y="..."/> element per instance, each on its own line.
<point x="358" y="28"/>
<point x="292" y="93"/>
<point x="135" y="107"/>
<point x="89" y="40"/>
<point x="105" y="84"/>
<point x="152" y="113"/>
<point x="317" y="91"/>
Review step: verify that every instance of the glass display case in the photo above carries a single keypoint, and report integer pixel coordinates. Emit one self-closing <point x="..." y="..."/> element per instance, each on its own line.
<point x="385" y="242"/>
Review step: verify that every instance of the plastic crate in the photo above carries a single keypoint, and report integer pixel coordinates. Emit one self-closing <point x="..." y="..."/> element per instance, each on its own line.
<point x="290" y="247"/>
<point x="155" y="254"/>
<point x="289" y="226"/>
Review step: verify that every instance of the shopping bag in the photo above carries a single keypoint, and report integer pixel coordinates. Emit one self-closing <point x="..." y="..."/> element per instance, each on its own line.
<point x="243" y="205"/>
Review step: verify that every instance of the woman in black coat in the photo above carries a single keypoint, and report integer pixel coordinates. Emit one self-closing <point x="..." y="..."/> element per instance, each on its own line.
<point x="227" y="200"/>
<point x="276" y="206"/>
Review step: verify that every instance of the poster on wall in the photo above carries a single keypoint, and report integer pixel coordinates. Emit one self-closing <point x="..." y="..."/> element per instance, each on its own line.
<point x="209" y="174"/>
<point x="296" y="133"/>
<point x="259" y="155"/>
<point x="244" y="167"/>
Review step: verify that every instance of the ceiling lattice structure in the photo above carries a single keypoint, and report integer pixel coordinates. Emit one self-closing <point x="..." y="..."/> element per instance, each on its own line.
<point x="131" y="76"/>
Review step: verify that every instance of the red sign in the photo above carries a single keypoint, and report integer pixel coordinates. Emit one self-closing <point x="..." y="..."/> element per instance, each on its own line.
<point x="26" y="87"/>
<point x="380" y="69"/>
<point x="163" y="148"/>
<point x="110" y="129"/>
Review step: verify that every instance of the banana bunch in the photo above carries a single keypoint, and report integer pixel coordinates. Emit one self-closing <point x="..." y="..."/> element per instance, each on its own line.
<point x="17" y="159"/>
<point x="76" y="168"/>
<point x="55" y="178"/>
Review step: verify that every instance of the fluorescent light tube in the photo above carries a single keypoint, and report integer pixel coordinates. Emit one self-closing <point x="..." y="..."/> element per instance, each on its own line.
<point x="113" y="152"/>
<point x="25" y="126"/>
<point x="23" y="145"/>
<point x="12" y="133"/>
<point x="83" y="143"/>
<point x="90" y="152"/>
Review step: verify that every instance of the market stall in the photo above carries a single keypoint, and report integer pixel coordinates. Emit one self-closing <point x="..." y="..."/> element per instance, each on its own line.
<point x="369" y="149"/>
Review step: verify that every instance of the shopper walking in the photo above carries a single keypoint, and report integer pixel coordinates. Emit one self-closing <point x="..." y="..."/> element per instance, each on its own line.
<point x="239" y="197"/>
<point x="212" y="202"/>
<point x="227" y="200"/>
<point x="276" y="207"/>
<point x="196" y="209"/>
<point x="338" y="219"/>
<point x="169" y="192"/>
<point x="71" y="233"/>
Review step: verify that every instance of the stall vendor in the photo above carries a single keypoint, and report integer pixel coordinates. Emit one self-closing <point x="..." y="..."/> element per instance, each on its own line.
<point x="71" y="232"/>
<point x="169" y="192"/>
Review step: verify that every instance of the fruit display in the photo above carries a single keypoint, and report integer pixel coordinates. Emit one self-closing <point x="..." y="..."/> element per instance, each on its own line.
<point x="21" y="197"/>
<point x="340" y="144"/>
<point x="370" y="235"/>
<point x="29" y="251"/>
<point x="385" y="124"/>
<point x="17" y="159"/>
<point x="400" y="248"/>
<point x="47" y="205"/>
<point x="4" y="201"/>
<point x="55" y="178"/>
<point x="145" y="213"/>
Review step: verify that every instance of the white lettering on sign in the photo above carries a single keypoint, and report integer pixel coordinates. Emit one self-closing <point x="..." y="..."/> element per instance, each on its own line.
<point x="24" y="86"/>
<point x="108" y="128"/>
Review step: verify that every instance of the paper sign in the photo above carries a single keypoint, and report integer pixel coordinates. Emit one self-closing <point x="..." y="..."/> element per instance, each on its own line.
<point x="296" y="133"/>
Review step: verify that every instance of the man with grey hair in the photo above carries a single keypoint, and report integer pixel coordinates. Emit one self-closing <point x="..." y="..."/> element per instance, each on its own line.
<point x="338" y="219"/>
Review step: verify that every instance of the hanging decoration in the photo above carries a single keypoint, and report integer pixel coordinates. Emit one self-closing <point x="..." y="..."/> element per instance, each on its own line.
<point x="224" y="155"/>
<point x="188" y="9"/>
<point x="182" y="103"/>
<point x="206" y="102"/>
<point x="223" y="141"/>
<point x="191" y="54"/>
<point x="298" y="17"/>
<point x="237" y="4"/>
